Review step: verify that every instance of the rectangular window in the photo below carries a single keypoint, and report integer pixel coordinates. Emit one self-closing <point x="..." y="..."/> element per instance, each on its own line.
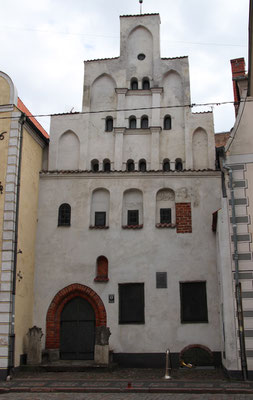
<point x="100" y="218"/>
<point x="131" y="303"/>
<point x="133" y="217"/>
<point x="161" y="280"/>
<point x="165" y="215"/>
<point x="193" y="302"/>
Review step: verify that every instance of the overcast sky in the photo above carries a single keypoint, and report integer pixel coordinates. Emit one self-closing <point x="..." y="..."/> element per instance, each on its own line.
<point x="43" y="44"/>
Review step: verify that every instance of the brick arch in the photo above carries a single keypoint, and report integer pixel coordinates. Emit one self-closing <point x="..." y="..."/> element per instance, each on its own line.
<point x="193" y="346"/>
<point x="56" y="307"/>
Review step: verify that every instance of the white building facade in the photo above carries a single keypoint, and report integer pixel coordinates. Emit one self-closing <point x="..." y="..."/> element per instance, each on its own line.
<point x="124" y="235"/>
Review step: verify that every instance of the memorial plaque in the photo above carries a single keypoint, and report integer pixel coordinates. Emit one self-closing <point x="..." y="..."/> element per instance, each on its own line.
<point x="161" y="280"/>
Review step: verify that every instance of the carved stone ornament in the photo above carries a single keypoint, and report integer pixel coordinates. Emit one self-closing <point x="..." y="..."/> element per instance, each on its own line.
<point x="102" y="335"/>
<point x="164" y="195"/>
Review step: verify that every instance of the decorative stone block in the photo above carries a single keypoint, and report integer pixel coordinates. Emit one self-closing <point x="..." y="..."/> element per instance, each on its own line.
<point x="34" y="346"/>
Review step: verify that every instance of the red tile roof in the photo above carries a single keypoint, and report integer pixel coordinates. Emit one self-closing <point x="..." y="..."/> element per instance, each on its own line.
<point x="25" y="110"/>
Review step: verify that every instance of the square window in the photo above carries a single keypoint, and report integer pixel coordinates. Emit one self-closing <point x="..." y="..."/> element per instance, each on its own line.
<point x="100" y="218"/>
<point x="193" y="302"/>
<point x="161" y="280"/>
<point x="165" y="215"/>
<point x="131" y="303"/>
<point x="133" y="217"/>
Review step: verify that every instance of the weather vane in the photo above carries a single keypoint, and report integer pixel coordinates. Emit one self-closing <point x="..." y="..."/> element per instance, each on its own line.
<point x="140" y="1"/>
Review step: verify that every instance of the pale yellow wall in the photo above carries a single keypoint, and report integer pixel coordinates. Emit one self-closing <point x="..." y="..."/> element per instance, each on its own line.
<point x="242" y="142"/>
<point x="31" y="165"/>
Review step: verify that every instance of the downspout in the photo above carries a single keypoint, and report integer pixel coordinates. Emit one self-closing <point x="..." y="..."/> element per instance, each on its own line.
<point x="238" y="294"/>
<point x="12" y="311"/>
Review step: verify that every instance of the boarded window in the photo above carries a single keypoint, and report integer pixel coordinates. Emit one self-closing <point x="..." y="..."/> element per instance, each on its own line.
<point x="131" y="303"/>
<point x="133" y="217"/>
<point x="193" y="302"/>
<point x="165" y="215"/>
<point x="100" y="218"/>
<point x="64" y="215"/>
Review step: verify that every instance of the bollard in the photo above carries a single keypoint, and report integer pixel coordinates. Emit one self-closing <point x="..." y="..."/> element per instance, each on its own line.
<point x="168" y="365"/>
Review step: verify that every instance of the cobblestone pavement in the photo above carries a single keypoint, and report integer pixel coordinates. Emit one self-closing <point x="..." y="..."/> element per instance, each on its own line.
<point x="108" y="396"/>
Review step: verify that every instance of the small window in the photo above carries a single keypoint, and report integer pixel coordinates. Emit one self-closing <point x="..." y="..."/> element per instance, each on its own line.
<point x="100" y="218"/>
<point x="142" y="166"/>
<point x="161" y="280"/>
<point x="130" y="165"/>
<point x="134" y="84"/>
<point x="179" y="165"/>
<point x="107" y="165"/>
<point x="167" y="122"/>
<point x="165" y="215"/>
<point x="133" y="217"/>
<point x="109" y="124"/>
<point x="102" y="269"/>
<point x="131" y="303"/>
<point x="193" y="302"/>
<point x="94" y="165"/>
<point x="144" y="122"/>
<point x="64" y="215"/>
<point x="166" y="165"/>
<point x="145" y="84"/>
<point x="132" y="123"/>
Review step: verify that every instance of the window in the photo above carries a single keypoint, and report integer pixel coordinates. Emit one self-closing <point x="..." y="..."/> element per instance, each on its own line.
<point x="94" y="165"/>
<point x="133" y="217"/>
<point x="142" y="166"/>
<point x="131" y="303"/>
<point x="130" y="165"/>
<point x="64" y="215"/>
<point x="166" y="165"/>
<point x="165" y="215"/>
<point x="178" y="164"/>
<point x="145" y="84"/>
<point x="167" y="122"/>
<point x="134" y="84"/>
<point x="161" y="280"/>
<point x="107" y="165"/>
<point x="132" y="123"/>
<point x="109" y="124"/>
<point x="193" y="302"/>
<point x="100" y="218"/>
<point x="144" y="122"/>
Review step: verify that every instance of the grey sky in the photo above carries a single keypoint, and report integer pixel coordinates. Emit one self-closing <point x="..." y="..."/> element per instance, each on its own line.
<point x="43" y="45"/>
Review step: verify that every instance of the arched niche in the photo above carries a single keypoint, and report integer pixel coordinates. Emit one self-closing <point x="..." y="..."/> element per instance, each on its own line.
<point x="173" y="95"/>
<point x="165" y="206"/>
<point x="100" y="206"/>
<point x="103" y="96"/>
<point x="68" y="151"/>
<point x="200" y="149"/>
<point x="132" y="212"/>
<point x="140" y="41"/>
<point x="8" y="92"/>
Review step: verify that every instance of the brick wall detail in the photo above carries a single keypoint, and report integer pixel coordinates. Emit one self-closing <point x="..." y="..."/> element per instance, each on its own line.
<point x="56" y="307"/>
<point x="183" y="217"/>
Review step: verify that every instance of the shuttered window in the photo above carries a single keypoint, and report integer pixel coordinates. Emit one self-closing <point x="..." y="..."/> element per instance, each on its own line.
<point x="131" y="303"/>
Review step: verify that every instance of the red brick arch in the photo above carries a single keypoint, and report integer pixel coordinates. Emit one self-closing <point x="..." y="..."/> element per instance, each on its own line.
<point x="56" y="307"/>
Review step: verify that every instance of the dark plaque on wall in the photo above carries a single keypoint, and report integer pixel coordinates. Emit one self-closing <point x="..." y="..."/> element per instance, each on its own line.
<point x="111" y="298"/>
<point x="161" y="280"/>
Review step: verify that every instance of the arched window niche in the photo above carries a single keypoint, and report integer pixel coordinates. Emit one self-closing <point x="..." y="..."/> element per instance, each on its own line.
<point x="178" y="164"/>
<point x="132" y="212"/>
<point x="106" y="165"/>
<point x="165" y="208"/>
<point x="100" y="206"/>
<point x="145" y="83"/>
<point x="167" y="122"/>
<point x="134" y="84"/>
<point x="142" y="165"/>
<point x="64" y="215"/>
<point x="94" y="165"/>
<point x="130" y="165"/>
<point x="144" y="122"/>
<point x="166" y="165"/>
<point x="109" y="124"/>
<point x="102" y="270"/>
<point x="132" y="122"/>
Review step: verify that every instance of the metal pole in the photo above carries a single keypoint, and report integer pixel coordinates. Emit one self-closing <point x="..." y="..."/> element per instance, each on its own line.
<point x="168" y="365"/>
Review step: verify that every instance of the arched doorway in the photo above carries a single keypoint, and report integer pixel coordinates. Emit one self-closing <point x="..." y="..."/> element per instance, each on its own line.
<point x="77" y="330"/>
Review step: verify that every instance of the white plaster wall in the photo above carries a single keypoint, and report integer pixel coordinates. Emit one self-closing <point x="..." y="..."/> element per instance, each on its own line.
<point x="68" y="255"/>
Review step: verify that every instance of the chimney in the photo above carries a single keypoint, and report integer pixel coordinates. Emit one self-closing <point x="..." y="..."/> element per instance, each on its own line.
<point x="238" y="70"/>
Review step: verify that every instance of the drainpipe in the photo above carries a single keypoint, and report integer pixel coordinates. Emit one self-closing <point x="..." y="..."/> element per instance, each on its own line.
<point x="12" y="325"/>
<point x="238" y="294"/>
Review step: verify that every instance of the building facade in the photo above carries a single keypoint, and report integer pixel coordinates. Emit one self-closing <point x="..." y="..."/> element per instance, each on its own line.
<point x="124" y="237"/>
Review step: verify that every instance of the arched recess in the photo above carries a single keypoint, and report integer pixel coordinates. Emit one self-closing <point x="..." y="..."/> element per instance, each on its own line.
<point x="8" y="94"/>
<point x="140" y="34"/>
<point x="57" y="305"/>
<point x="100" y="206"/>
<point x="197" y="355"/>
<point x="68" y="151"/>
<point x="103" y="96"/>
<point x="165" y="206"/>
<point x="200" y="149"/>
<point x="132" y="213"/>
<point x="173" y="95"/>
